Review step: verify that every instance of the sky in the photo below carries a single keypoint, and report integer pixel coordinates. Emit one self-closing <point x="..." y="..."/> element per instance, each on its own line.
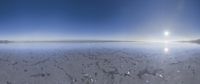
<point x="99" y="19"/>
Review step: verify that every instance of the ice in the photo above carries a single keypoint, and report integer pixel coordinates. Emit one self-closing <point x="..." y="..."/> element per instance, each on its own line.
<point x="99" y="63"/>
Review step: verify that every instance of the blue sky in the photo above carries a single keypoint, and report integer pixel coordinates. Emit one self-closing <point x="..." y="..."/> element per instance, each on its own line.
<point x="99" y="19"/>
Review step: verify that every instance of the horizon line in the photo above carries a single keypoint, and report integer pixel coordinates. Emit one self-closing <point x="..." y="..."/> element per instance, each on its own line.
<point x="85" y="41"/>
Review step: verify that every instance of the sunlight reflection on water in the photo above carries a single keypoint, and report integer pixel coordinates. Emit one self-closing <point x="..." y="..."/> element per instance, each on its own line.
<point x="166" y="48"/>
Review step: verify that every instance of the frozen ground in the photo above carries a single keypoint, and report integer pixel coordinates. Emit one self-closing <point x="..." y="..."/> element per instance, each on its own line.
<point x="99" y="63"/>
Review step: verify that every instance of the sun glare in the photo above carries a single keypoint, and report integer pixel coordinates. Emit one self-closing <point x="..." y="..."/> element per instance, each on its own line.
<point x="166" y="50"/>
<point x="166" y="33"/>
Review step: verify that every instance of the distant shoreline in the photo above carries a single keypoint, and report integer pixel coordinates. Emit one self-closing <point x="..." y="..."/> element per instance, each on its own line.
<point x="85" y="41"/>
<point x="66" y="41"/>
<point x="191" y="41"/>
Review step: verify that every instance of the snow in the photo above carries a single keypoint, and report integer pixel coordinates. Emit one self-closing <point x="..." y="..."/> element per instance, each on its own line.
<point x="99" y="63"/>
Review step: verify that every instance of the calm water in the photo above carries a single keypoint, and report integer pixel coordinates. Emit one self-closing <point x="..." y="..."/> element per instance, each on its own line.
<point x="99" y="63"/>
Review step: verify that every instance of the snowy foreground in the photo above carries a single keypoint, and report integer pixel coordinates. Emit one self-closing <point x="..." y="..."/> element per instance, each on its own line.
<point x="99" y="63"/>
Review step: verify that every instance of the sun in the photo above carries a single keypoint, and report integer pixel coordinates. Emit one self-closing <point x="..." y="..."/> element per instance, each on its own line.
<point x="166" y="33"/>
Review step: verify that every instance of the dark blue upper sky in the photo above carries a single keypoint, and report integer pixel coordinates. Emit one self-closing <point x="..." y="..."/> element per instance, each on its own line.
<point x="99" y="19"/>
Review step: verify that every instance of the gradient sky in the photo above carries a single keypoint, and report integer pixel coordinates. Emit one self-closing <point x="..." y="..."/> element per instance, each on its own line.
<point x="99" y="19"/>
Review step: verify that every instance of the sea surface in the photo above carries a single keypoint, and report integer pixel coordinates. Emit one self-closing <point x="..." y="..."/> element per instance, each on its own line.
<point x="100" y="63"/>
